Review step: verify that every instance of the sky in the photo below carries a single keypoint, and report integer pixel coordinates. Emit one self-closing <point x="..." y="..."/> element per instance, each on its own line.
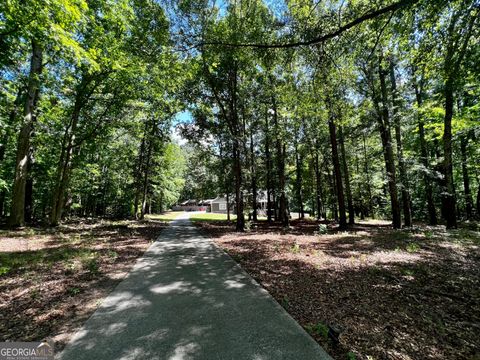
<point x="180" y="118"/>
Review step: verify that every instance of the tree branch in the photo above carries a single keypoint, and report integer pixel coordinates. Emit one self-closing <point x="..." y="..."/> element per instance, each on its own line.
<point x="368" y="16"/>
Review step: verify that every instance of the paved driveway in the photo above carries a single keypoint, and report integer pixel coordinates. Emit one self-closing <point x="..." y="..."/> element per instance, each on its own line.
<point x="186" y="299"/>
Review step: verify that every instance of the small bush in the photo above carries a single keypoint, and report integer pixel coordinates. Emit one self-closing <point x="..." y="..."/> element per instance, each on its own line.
<point x="351" y="356"/>
<point x="413" y="247"/>
<point x="91" y="265"/>
<point x="295" y="248"/>
<point x="428" y="234"/>
<point x="318" y="329"/>
<point x="322" y="229"/>
<point x="285" y="302"/>
<point x="73" y="291"/>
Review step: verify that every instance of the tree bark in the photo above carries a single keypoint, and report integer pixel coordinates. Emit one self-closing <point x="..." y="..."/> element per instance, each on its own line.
<point x="337" y="173"/>
<point x="466" y="179"/>
<point x="299" y="193"/>
<point x="283" y="212"/>
<point x="348" y="191"/>
<point x="29" y="189"/>
<point x="385" y="133"/>
<point x="254" y="176"/>
<point x="318" y="183"/>
<point x="268" y="168"/>
<point x="64" y="165"/>
<point x="371" y="211"/>
<point x="448" y="193"/>
<point x="17" y="211"/>
<point x="404" y="186"/>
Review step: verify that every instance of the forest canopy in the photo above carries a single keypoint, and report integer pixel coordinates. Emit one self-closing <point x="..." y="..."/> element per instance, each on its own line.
<point x="339" y="109"/>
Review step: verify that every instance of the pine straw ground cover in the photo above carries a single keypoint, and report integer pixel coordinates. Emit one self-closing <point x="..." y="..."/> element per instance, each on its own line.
<point x="52" y="280"/>
<point x="409" y="294"/>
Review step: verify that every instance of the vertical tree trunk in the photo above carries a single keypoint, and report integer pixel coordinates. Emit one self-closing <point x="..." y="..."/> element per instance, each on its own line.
<point x="318" y="183"/>
<point x="4" y="144"/>
<point x="254" y="176"/>
<point x="139" y="170"/>
<point x="351" y="211"/>
<point x="228" y="205"/>
<point x="298" y="163"/>
<point x="268" y="168"/>
<point x="29" y="189"/>
<point x="146" y="173"/>
<point x="64" y="166"/>
<point x="337" y="173"/>
<point x="466" y="179"/>
<point x="432" y="213"/>
<point x="478" y="198"/>
<point x="384" y="125"/>
<point x="404" y="186"/>
<point x="371" y="211"/>
<point x="448" y="193"/>
<point x="283" y="214"/>
<point x="240" y="225"/>
<point x="17" y="211"/>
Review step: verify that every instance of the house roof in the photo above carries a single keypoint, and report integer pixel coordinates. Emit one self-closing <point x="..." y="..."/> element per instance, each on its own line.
<point x="219" y="199"/>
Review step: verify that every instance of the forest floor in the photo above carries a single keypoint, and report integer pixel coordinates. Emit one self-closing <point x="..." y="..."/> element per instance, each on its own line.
<point x="395" y="294"/>
<point x="52" y="280"/>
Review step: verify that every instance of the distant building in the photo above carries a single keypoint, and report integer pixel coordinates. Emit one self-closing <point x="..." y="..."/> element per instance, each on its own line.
<point x="219" y="205"/>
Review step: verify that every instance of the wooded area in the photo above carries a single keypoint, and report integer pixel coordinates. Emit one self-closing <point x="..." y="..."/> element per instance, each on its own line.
<point x="344" y="110"/>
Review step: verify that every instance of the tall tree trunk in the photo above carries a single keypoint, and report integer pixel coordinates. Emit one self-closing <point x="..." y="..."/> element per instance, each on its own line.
<point x="146" y="173"/>
<point x="404" y="186"/>
<point x="64" y="166"/>
<point x="139" y="170"/>
<point x="385" y="133"/>
<point x="456" y="46"/>
<point x="298" y="163"/>
<point x="318" y="183"/>
<point x="283" y="212"/>
<point x="371" y="211"/>
<point x="254" y="177"/>
<point x="29" y="189"/>
<point x="240" y="225"/>
<point x="351" y="211"/>
<point x="4" y="144"/>
<point x="337" y="173"/>
<point x="432" y="213"/>
<point x="268" y="168"/>
<point x="466" y="179"/>
<point x="448" y="193"/>
<point x="228" y="205"/>
<point x="17" y="211"/>
<point x="478" y="198"/>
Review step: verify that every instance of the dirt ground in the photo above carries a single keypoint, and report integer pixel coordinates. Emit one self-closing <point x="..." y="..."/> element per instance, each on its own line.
<point x="52" y="280"/>
<point x="393" y="294"/>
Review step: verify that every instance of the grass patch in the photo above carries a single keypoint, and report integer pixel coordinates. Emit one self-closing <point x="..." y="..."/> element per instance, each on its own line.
<point x="211" y="216"/>
<point x="166" y="216"/>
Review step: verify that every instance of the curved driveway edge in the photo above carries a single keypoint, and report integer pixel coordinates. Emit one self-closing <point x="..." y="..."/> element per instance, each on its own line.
<point x="186" y="299"/>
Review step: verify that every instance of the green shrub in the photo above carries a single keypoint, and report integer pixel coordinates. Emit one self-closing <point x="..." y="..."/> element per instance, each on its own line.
<point x="322" y="229"/>
<point x="318" y="329"/>
<point x="413" y="247"/>
<point x="295" y="248"/>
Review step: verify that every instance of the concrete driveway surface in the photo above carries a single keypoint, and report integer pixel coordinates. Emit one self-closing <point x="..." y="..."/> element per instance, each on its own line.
<point x="186" y="299"/>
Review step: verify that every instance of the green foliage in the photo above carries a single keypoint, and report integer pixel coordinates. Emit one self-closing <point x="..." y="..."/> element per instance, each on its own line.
<point x="295" y="249"/>
<point x="318" y="329"/>
<point x="322" y="229"/>
<point x="351" y="356"/>
<point x="413" y="247"/>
